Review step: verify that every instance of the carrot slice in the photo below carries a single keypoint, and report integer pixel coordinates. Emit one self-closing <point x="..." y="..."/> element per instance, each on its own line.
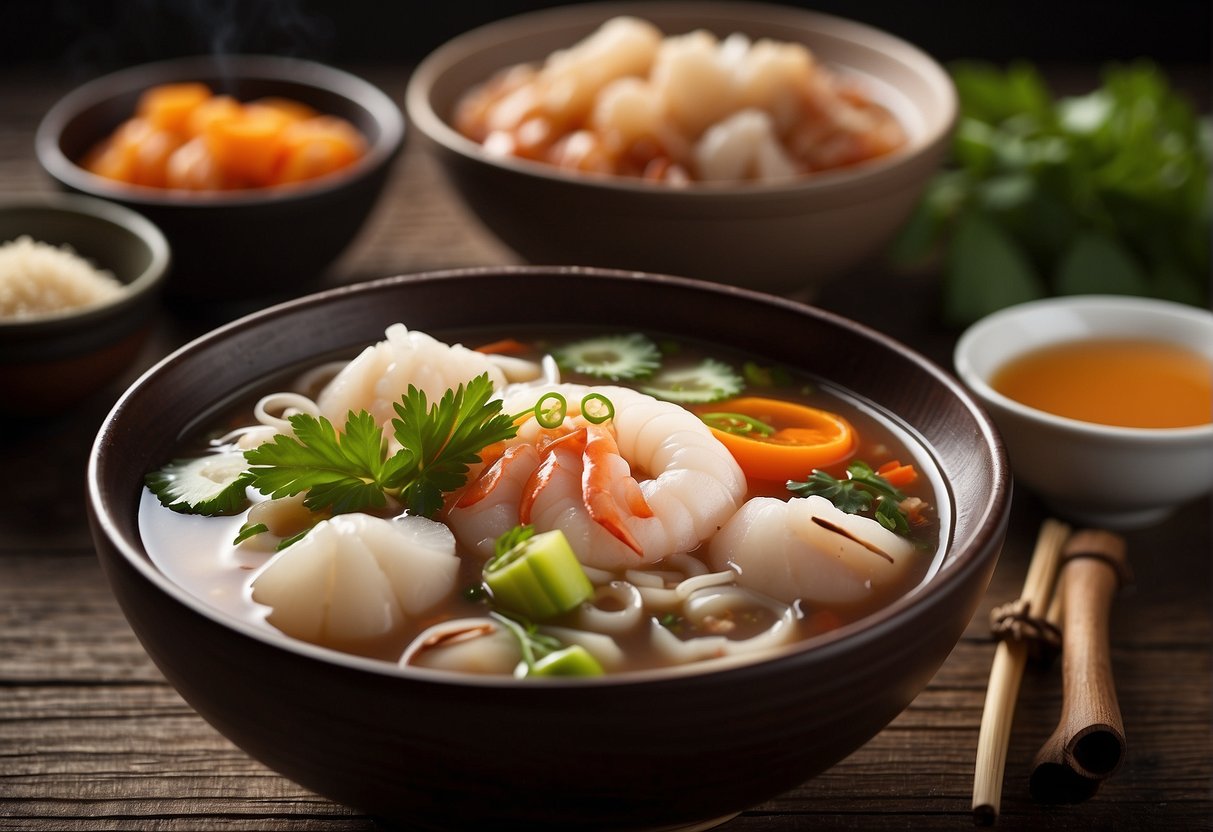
<point x="249" y="147"/>
<point x="318" y="146"/>
<point x="506" y="346"/>
<point x="896" y="474"/>
<point x="219" y="108"/>
<point x="803" y="438"/>
<point x="193" y="168"/>
<point x="293" y="110"/>
<point x="169" y="106"/>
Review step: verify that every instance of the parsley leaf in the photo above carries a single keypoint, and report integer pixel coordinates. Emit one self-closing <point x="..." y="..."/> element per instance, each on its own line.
<point x="842" y="493"/>
<point x="857" y="493"/>
<point x="351" y="471"/>
<point x="341" y="473"/>
<point x="439" y="442"/>
<point x="1049" y="195"/>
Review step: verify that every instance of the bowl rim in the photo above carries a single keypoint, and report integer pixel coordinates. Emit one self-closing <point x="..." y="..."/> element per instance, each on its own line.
<point x="966" y="346"/>
<point x="423" y="116"/>
<point x="984" y="542"/>
<point x="300" y="71"/>
<point x="144" y="284"/>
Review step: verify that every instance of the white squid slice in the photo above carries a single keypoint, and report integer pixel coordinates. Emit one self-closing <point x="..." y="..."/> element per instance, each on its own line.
<point x="805" y="548"/>
<point x="356" y="577"/>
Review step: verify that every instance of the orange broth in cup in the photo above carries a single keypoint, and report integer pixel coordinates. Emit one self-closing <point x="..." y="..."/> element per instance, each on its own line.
<point x="1134" y="383"/>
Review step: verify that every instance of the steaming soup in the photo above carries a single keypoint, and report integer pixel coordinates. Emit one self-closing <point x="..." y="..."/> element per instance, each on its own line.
<point x="548" y="504"/>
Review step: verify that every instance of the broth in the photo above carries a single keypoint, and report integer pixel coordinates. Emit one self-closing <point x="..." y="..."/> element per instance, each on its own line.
<point x="1122" y="382"/>
<point x="198" y="552"/>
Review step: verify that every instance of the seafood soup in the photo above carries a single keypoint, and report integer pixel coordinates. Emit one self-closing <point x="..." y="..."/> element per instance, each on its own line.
<point x="548" y="503"/>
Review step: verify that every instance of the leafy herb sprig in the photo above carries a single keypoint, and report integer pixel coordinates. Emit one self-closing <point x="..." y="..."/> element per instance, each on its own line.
<point x="1106" y="192"/>
<point x="352" y="471"/>
<point x="857" y="493"/>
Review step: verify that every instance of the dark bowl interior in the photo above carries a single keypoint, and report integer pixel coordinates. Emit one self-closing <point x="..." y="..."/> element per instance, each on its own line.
<point x="236" y="244"/>
<point x="53" y="360"/>
<point x="639" y="751"/>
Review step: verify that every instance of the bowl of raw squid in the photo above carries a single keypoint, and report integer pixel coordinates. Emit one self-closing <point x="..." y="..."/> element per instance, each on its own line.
<point x="752" y="144"/>
<point x="455" y="551"/>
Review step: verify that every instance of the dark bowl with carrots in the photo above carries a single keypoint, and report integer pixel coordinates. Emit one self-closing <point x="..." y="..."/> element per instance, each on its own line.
<point x="260" y="170"/>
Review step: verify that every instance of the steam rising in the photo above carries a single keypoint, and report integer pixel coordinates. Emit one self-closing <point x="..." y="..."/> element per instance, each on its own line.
<point x="116" y="34"/>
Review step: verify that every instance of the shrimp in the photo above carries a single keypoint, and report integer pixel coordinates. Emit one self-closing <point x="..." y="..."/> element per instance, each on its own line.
<point x="805" y="548"/>
<point x="742" y="146"/>
<point x="649" y="483"/>
<point x="382" y="373"/>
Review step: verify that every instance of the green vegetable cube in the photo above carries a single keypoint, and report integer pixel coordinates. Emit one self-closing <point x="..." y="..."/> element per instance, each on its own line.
<point x="539" y="578"/>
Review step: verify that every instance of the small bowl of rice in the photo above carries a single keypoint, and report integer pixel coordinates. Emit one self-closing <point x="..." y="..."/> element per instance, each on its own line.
<point x="79" y="283"/>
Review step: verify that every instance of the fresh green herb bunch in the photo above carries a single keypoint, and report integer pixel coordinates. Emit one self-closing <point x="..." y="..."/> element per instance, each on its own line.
<point x="351" y="470"/>
<point x="1103" y="193"/>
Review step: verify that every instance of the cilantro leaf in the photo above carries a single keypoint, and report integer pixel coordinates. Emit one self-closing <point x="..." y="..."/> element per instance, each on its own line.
<point x="340" y="473"/>
<point x="842" y="493"/>
<point x="857" y="493"/>
<point x="1050" y="195"/>
<point x="441" y="441"/>
<point x="350" y="470"/>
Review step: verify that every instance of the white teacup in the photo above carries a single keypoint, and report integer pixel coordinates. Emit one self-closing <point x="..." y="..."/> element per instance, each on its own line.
<point x="1113" y="477"/>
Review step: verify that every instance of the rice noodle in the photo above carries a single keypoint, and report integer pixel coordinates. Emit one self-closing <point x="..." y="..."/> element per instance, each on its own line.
<point x="592" y="617"/>
<point x="705" y="602"/>
<point x="708" y="579"/>
<point x="313" y="381"/>
<point x="286" y="404"/>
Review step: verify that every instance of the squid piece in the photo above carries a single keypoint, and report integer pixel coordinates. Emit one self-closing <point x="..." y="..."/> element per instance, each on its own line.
<point x="356" y="577"/>
<point x="805" y="548"/>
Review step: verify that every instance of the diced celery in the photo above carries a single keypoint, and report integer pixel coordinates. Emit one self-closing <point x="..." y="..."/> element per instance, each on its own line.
<point x="539" y="578"/>
<point x="574" y="660"/>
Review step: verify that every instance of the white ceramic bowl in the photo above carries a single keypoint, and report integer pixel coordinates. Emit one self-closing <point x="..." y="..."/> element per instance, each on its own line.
<point x="1114" y="477"/>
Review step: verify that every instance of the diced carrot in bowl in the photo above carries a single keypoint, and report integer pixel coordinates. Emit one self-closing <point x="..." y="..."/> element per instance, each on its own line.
<point x="169" y="106"/>
<point x="318" y="146"/>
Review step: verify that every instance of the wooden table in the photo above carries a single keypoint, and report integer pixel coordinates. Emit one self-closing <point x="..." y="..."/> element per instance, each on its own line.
<point x="92" y="737"/>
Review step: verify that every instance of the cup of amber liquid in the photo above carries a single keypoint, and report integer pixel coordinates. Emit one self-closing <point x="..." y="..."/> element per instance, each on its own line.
<point x="1105" y="403"/>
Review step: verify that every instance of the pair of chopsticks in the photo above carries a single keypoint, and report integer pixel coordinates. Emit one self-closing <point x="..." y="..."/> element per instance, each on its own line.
<point x="1066" y="600"/>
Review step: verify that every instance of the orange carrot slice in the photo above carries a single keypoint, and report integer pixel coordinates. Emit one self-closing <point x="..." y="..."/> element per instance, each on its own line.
<point x="316" y="147"/>
<point x="801" y="438"/>
<point x="169" y="106"/>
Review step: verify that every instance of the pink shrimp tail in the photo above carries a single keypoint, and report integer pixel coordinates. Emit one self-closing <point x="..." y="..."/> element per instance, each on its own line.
<point x="489" y="478"/>
<point x="601" y="502"/>
<point x="549" y="463"/>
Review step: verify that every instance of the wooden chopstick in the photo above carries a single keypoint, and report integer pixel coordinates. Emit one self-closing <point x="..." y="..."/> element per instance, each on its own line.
<point x="1006" y="673"/>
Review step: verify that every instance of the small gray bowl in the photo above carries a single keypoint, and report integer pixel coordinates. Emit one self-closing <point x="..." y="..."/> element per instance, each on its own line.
<point x="236" y="245"/>
<point x="51" y="361"/>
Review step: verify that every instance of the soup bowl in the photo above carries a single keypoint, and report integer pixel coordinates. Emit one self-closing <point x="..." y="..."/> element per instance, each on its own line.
<point x="1106" y="475"/>
<point x="254" y="243"/>
<point x="784" y="236"/>
<point x="631" y="751"/>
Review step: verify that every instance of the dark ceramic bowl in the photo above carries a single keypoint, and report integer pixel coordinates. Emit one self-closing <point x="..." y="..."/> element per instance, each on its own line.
<point x="56" y="359"/>
<point x="648" y="750"/>
<point x="778" y="237"/>
<point x="233" y="245"/>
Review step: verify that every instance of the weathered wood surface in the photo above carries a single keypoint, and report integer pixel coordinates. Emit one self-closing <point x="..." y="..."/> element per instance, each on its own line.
<point x="92" y="738"/>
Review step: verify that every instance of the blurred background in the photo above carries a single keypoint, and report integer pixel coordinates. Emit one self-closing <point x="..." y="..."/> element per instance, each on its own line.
<point x="84" y="37"/>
